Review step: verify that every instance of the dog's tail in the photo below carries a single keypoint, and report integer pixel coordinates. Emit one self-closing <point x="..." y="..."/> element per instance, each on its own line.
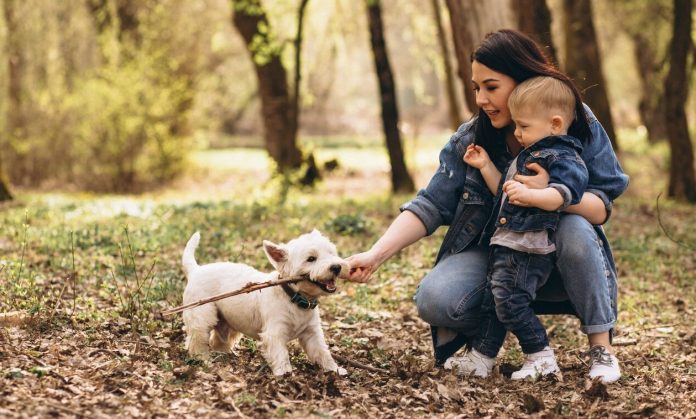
<point x="188" y="259"/>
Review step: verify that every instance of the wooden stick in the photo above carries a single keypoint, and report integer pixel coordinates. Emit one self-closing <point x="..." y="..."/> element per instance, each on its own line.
<point x="251" y="286"/>
<point x="357" y="364"/>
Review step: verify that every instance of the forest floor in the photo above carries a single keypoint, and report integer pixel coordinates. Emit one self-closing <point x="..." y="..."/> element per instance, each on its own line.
<point x="89" y="273"/>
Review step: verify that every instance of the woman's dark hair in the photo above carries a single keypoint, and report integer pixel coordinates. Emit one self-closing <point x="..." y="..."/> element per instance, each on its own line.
<point x="516" y="55"/>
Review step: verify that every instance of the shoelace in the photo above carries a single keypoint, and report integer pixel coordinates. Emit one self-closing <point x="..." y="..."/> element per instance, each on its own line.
<point x="599" y="355"/>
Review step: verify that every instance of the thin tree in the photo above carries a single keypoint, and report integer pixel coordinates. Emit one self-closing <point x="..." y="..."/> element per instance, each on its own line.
<point x="279" y="109"/>
<point x="5" y="194"/>
<point x="583" y="63"/>
<point x="682" y="180"/>
<point x="454" y="109"/>
<point x="16" y="64"/>
<point x="463" y="48"/>
<point x="401" y="179"/>
<point x="534" y="19"/>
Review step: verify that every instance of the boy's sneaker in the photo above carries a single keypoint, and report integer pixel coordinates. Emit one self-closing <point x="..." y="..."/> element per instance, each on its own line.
<point x="471" y="363"/>
<point x="537" y="365"/>
<point x="603" y="365"/>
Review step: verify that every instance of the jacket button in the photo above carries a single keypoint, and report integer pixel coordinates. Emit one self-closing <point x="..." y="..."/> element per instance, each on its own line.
<point x="466" y="195"/>
<point x="503" y="220"/>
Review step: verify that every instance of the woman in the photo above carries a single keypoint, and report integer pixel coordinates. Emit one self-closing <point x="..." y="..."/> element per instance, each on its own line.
<point x="449" y="297"/>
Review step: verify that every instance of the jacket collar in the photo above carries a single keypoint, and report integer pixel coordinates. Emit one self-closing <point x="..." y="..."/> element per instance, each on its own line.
<point x="549" y="141"/>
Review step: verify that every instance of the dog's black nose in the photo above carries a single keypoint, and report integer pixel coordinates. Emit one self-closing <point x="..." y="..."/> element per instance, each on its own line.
<point x="335" y="269"/>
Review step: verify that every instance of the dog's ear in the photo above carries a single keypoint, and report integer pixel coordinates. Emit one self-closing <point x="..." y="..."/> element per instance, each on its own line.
<point x="316" y="232"/>
<point x="276" y="253"/>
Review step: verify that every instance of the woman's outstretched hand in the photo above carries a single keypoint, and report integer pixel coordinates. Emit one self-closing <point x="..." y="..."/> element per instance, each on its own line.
<point x="362" y="265"/>
<point x="538" y="181"/>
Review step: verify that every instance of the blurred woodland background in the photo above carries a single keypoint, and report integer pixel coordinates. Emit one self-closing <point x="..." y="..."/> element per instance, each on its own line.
<point x="127" y="125"/>
<point x="114" y="95"/>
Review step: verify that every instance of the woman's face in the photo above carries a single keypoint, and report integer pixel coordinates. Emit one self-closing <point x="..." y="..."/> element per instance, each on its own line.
<point x="492" y="92"/>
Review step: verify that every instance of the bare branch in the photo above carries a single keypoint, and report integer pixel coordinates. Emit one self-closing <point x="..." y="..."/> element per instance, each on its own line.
<point x="251" y="286"/>
<point x="664" y="230"/>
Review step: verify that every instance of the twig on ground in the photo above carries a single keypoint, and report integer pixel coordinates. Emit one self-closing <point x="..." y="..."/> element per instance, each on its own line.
<point x="624" y="342"/>
<point x="358" y="364"/>
<point x="251" y="286"/>
<point x="135" y="342"/>
<point x="64" y="409"/>
<point x="107" y="351"/>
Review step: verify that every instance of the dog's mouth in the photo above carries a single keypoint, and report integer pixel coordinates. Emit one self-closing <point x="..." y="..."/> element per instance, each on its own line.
<point x="327" y="285"/>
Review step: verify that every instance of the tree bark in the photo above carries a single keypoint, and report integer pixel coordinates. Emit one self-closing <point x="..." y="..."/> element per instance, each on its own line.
<point x="583" y="63"/>
<point x="401" y="179"/>
<point x="450" y="90"/>
<point x="5" y="194"/>
<point x="682" y="180"/>
<point x="534" y="19"/>
<point x="463" y="48"/>
<point x="16" y="113"/>
<point x="279" y="119"/>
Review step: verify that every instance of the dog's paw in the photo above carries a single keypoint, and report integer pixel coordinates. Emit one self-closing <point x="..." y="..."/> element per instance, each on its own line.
<point x="279" y="372"/>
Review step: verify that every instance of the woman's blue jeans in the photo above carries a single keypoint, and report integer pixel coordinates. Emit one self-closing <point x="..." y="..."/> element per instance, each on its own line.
<point x="450" y="295"/>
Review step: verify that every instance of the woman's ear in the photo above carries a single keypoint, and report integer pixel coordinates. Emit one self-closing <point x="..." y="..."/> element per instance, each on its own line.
<point x="557" y="124"/>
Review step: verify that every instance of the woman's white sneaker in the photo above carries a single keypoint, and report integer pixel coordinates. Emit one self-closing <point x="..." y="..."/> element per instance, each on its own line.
<point x="603" y="365"/>
<point x="537" y="365"/>
<point x="471" y="363"/>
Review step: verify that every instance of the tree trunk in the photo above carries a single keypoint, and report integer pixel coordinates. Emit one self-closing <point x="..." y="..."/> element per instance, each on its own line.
<point x="454" y="110"/>
<point x="279" y="119"/>
<point x="16" y="65"/>
<point x="5" y="194"/>
<point x="652" y="101"/>
<point x="401" y="180"/>
<point x="682" y="181"/>
<point x="463" y="48"/>
<point x="583" y="63"/>
<point x="534" y="19"/>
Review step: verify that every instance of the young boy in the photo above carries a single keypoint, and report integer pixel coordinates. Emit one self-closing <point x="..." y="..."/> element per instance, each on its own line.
<point x="521" y="239"/>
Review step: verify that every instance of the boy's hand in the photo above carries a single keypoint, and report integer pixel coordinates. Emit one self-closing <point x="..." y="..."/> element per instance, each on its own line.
<point x="476" y="156"/>
<point x="518" y="194"/>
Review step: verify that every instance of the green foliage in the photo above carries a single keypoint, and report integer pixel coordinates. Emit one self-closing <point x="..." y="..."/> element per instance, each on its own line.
<point x="110" y="112"/>
<point x="127" y="129"/>
<point x="348" y="224"/>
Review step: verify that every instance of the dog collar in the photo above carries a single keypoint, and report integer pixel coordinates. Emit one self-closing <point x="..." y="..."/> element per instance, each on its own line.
<point x="298" y="299"/>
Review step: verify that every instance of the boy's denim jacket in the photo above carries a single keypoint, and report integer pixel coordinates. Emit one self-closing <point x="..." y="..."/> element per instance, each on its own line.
<point x="559" y="155"/>
<point x="457" y="194"/>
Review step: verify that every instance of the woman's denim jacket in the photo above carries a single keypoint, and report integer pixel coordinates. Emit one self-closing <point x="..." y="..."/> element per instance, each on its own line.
<point x="559" y="155"/>
<point x="457" y="194"/>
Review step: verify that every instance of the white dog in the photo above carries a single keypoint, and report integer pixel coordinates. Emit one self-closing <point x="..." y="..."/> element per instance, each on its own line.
<point x="273" y="315"/>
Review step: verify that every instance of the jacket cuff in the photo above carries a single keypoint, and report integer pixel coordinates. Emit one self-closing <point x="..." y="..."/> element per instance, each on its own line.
<point x="608" y="205"/>
<point x="565" y="194"/>
<point x="425" y="211"/>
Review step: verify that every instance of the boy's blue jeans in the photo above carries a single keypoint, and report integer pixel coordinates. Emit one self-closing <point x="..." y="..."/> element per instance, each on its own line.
<point x="514" y="279"/>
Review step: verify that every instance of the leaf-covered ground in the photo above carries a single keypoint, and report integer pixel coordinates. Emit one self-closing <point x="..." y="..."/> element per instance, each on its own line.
<point x="89" y="274"/>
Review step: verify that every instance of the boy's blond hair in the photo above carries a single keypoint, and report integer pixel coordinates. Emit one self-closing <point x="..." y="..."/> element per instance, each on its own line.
<point x="544" y="94"/>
